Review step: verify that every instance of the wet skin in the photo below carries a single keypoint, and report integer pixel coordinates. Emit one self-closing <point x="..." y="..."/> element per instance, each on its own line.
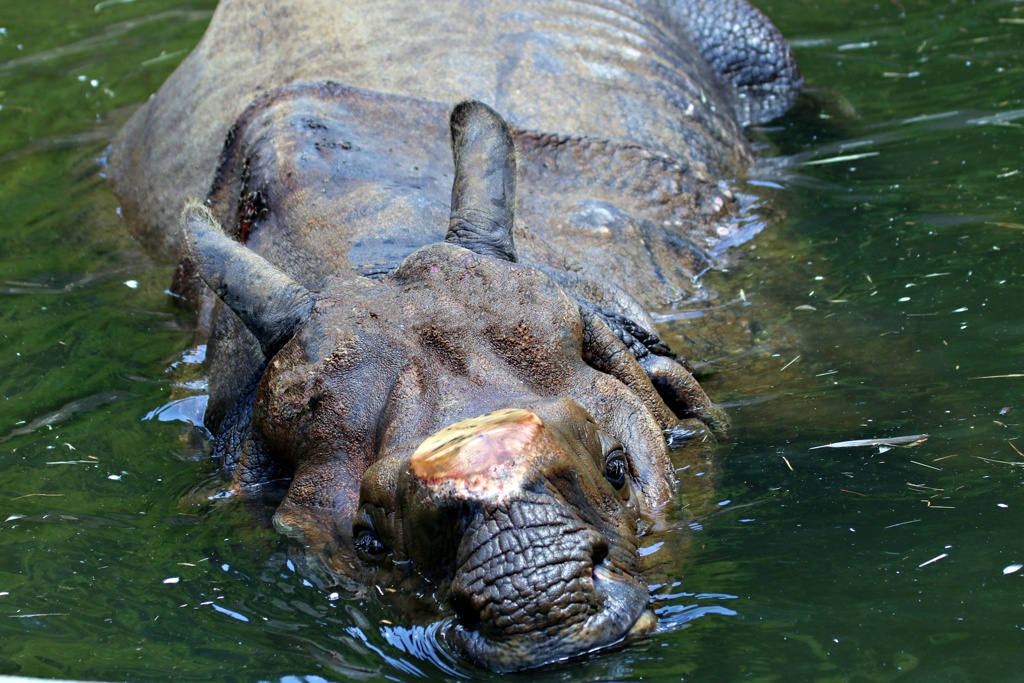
<point x="464" y="419"/>
<point x="457" y="381"/>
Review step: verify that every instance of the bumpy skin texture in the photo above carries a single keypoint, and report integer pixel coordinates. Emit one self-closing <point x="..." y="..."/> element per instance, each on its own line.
<point x="745" y="50"/>
<point x="436" y="332"/>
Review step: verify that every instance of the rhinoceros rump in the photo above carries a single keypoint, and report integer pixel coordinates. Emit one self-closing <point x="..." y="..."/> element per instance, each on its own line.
<point x="434" y="328"/>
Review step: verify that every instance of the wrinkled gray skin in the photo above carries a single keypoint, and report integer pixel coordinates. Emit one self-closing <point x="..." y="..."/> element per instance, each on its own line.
<point x="439" y="340"/>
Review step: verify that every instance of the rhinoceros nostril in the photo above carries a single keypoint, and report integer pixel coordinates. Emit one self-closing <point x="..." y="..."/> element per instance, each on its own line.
<point x="598" y="552"/>
<point x="465" y="611"/>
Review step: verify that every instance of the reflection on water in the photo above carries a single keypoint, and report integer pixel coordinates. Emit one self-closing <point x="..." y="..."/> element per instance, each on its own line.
<point x="884" y="303"/>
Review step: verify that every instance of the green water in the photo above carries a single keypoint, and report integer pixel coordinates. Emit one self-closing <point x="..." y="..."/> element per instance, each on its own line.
<point x="892" y="284"/>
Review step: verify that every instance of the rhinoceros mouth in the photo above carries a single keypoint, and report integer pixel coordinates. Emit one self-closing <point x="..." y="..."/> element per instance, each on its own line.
<point x="619" y="609"/>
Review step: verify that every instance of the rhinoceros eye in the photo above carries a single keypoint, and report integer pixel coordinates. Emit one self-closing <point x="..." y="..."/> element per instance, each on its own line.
<point x="369" y="545"/>
<point x="616" y="469"/>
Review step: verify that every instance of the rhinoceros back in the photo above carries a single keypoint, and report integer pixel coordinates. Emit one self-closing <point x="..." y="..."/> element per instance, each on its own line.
<point x="322" y="179"/>
<point x="606" y="70"/>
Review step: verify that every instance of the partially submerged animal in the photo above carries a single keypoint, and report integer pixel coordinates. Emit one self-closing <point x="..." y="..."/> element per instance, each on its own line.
<point x="441" y="341"/>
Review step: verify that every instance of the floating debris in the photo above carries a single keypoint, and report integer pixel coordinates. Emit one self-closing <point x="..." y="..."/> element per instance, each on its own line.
<point x="1001" y="462"/>
<point x="934" y="559"/>
<point x="228" y="612"/>
<point x="1004" y="462"/>
<point x="799" y="356"/>
<point x="836" y="160"/>
<point x="172" y="579"/>
<point x="911" y="521"/>
<point x="905" y="441"/>
<point x="1012" y="568"/>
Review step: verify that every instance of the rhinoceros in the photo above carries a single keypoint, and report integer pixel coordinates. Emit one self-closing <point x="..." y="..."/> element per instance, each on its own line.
<point x="431" y="237"/>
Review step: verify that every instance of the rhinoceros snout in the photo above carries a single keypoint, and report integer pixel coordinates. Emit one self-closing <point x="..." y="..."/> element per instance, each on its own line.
<point x="526" y="579"/>
<point x="535" y="584"/>
<point x="545" y="564"/>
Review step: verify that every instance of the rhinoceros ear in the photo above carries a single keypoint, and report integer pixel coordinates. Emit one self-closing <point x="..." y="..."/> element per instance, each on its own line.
<point x="484" y="191"/>
<point x="268" y="302"/>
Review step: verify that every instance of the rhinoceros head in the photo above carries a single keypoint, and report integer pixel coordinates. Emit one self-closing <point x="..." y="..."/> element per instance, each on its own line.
<point x="462" y="421"/>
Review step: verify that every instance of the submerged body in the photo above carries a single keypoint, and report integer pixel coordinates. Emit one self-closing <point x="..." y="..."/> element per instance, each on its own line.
<point x="442" y="344"/>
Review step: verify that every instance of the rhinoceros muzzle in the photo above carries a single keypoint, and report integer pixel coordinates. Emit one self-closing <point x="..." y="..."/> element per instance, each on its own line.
<point x="534" y="584"/>
<point x="541" y="571"/>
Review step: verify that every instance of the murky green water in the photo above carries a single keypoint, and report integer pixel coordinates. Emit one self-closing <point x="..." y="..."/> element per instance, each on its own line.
<point x="891" y="288"/>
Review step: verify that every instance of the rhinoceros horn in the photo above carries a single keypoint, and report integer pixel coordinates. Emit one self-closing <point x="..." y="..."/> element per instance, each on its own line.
<point x="268" y="302"/>
<point x="484" y="191"/>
